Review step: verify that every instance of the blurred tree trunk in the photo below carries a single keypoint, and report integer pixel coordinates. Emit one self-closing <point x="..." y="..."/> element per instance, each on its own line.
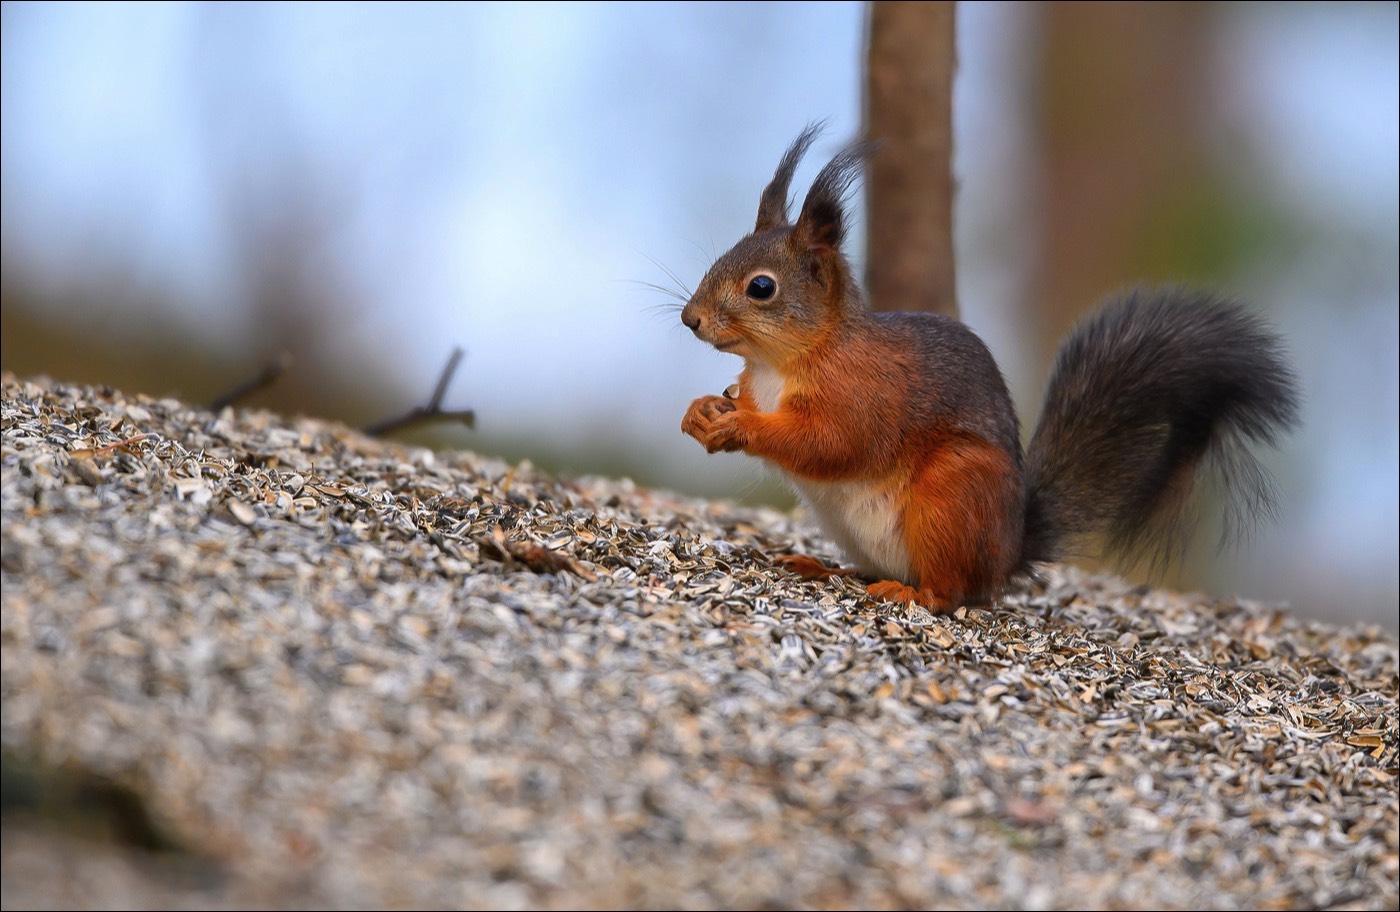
<point x="909" y="181"/>
<point x="1124" y="110"/>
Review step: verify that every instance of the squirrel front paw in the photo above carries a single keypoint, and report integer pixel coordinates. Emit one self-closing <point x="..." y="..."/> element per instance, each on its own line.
<point x="714" y="421"/>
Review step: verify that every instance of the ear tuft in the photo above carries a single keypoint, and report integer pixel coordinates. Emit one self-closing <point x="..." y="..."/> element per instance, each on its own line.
<point x="823" y="222"/>
<point x="773" y="204"/>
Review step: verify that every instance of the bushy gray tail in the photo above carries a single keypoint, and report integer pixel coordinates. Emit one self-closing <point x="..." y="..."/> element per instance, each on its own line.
<point x="1157" y="389"/>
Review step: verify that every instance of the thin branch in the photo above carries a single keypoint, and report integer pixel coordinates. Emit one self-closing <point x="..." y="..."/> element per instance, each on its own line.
<point x="265" y="377"/>
<point x="433" y="411"/>
<point x="450" y="368"/>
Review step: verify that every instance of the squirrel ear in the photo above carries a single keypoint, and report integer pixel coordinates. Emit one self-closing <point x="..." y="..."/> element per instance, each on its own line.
<point x="773" y="204"/>
<point x="822" y="224"/>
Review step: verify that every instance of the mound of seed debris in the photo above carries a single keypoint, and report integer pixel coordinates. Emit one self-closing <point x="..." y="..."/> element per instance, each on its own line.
<point x="325" y="670"/>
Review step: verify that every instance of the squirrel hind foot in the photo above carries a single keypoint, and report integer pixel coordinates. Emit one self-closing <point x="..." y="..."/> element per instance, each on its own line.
<point x="809" y="568"/>
<point x="894" y="591"/>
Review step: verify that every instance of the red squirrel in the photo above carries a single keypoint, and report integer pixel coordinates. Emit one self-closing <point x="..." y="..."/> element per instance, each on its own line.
<point x="898" y="431"/>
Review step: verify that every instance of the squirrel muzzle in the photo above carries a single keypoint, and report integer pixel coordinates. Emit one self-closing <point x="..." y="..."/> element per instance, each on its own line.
<point x="690" y="318"/>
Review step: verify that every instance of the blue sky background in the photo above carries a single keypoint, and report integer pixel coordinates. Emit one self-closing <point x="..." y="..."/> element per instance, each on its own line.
<point x="504" y="175"/>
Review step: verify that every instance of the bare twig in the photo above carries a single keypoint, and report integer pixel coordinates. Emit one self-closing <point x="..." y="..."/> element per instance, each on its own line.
<point x="265" y="377"/>
<point x="534" y="556"/>
<point x="433" y="411"/>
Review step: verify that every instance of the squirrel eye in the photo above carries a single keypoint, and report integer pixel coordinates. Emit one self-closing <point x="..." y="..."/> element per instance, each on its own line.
<point x="762" y="287"/>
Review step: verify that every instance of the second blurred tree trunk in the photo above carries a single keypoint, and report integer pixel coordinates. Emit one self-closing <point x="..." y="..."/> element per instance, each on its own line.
<point x="1124" y="110"/>
<point x="1129" y="192"/>
<point x="909" y="183"/>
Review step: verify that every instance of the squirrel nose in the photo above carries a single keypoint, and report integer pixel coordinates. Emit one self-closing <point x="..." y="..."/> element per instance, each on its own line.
<point x="690" y="320"/>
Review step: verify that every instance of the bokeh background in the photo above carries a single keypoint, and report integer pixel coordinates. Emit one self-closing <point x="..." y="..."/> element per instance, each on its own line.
<point x="190" y="189"/>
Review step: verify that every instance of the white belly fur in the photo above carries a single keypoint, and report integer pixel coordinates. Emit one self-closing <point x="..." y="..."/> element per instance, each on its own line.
<point x="861" y="517"/>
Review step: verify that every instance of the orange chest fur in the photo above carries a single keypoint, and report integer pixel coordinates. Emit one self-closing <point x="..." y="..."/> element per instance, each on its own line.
<point x="862" y="513"/>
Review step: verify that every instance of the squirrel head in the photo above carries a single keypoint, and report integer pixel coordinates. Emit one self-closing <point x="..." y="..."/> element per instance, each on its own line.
<point x="786" y="285"/>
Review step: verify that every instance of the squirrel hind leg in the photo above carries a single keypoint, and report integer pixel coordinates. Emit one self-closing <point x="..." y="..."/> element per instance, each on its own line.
<point x="963" y="523"/>
<point x="809" y="568"/>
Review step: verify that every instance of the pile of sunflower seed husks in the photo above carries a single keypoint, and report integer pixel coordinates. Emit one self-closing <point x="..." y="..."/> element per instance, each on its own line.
<point x="285" y="665"/>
